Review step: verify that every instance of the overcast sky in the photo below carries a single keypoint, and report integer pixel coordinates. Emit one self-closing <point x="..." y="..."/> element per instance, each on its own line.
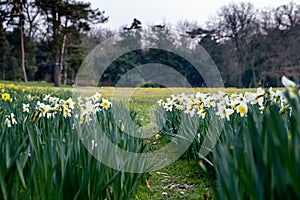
<point x="151" y="12"/>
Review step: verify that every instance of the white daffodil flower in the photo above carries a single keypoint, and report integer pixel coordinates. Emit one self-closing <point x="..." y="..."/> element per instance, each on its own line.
<point x="10" y="120"/>
<point x="25" y="107"/>
<point x="289" y="85"/>
<point x="242" y="109"/>
<point x="105" y="104"/>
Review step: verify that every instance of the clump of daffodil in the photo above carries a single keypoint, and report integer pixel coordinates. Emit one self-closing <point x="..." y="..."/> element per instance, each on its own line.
<point x="168" y="106"/>
<point x="179" y="107"/>
<point x="10" y="85"/>
<point x="201" y="113"/>
<point x="25" y="107"/>
<point x="223" y="105"/>
<point x="47" y="97"/>
<point x="87" y="109"/>
<point x="6" y="97"/>
<point x="160" y="102"/>
<point x="10" y="120"/>
<point x="67" y="107"/>
<point x="224" y="112"/>
<point x="190" y="110"/>
<point x="96" y="97"/>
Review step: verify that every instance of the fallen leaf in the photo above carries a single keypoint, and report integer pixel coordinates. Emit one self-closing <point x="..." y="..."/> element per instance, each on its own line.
<point x="148" y="185"/>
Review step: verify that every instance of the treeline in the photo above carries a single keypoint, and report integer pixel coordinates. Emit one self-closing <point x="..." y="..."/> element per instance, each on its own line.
<point x="41" y="39"/>
<point x="47" y="40"/>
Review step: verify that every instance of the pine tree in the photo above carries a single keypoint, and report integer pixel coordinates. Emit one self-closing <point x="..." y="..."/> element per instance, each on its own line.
<point x="63" y="18"/>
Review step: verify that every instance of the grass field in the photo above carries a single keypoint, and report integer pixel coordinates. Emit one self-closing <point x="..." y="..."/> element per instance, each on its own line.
<point x="170" y="180"/>
<point x="183" y="179"/>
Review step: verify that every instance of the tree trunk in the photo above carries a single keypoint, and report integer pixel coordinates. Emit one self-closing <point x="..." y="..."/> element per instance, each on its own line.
<point x="63" y="50"/>
<point x="23" y="53"/>
<point x="57" y="71"/>
<point x="19" y="7"/>
<point x="253" y="74"/>
<point x="62" y="55"/>
<point x="57" y="52"/>
<point x="65" y="74"/>
<point x="242" y="64"/>
<point x="3" y="67"/>
<point x="240" y="60"/>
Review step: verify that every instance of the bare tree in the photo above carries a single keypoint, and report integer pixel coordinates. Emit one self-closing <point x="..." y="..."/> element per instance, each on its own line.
<point x="32" y="12"/>
<point x="17" y="12"/>
<point x="236" y="24"/>
<point x="281" y="27"/>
